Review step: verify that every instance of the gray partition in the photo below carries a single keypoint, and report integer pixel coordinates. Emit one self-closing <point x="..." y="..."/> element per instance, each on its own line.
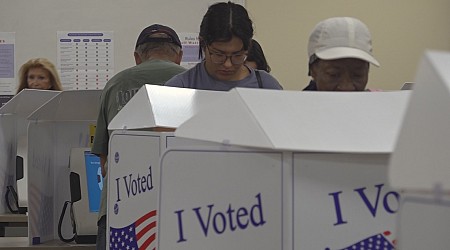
<point x="58" y="126"/>
<point x="13" y="128"/>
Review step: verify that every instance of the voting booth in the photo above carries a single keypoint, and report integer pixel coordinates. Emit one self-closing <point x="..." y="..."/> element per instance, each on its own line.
<point x="61" y="124"/>
<point x="13" y="128"/>
<point x="290" y="170"/>
<point x="133" y="161"/>
<point x="420" y="161"/>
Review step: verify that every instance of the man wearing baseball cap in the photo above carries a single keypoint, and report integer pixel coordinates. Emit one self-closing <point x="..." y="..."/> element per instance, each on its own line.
<point x="340" y="52"/>
<point x="157" y="54"/>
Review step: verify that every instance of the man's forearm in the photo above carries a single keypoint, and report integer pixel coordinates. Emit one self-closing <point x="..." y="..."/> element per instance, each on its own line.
<point x="103" y="159"/>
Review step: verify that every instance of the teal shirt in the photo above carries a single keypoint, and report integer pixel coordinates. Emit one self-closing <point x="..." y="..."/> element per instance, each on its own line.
<point x="117" y="92"/>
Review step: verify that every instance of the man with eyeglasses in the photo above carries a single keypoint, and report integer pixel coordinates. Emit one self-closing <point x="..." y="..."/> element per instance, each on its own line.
<point x="225" y="37"/>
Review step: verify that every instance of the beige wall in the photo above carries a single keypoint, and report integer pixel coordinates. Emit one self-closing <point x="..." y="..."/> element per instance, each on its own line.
<point x="36" y="23"/>
<point x="401" y="31"/>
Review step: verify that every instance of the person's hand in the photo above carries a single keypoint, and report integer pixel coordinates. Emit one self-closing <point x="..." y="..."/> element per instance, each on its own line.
<point x="104" y="164"/>
<point x="103" y="171"/>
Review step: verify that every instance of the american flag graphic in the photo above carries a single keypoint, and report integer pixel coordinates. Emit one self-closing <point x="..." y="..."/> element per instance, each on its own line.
<point x="377" y="242"/>
<point x="139" y="235"/>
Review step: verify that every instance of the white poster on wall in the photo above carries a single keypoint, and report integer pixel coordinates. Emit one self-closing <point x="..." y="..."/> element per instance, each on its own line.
<point x="190" y="44"/>
<point x="85" y="59"/>
<point x="7" y="66"/>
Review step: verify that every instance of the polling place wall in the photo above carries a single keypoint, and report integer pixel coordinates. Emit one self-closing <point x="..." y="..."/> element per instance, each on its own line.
<point x="401" y="31"/>
<point x="37" y="36"/>
<point x="55" y="128"/>
<point x="133" y="159"/>
<point x="419" y="163"/>
<point x="13" y="126"/>
<point x="311" y="177"/>
<point x="398" y="28"/>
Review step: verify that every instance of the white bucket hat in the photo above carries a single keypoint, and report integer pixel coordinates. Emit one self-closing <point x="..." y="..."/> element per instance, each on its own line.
<point x="341" y="37"/>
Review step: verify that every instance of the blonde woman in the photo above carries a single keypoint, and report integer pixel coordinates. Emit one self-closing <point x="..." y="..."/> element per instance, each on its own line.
<point x="38" y="73"/>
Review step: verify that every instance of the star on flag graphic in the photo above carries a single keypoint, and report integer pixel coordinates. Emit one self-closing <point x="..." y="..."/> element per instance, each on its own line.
<point x="376" y="242"/>
<point x="140" y="235"/>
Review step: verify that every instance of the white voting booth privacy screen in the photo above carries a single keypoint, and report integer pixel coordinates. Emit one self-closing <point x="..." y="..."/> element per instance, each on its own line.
<point x="133" y="160"/>
<point x="134" y="186"/>
<point x="55" y="128"/>
<point x="221" y="199"/>
<point x="343" y="201"/>
<point x="423" y="223"/>
<point x="160" y="106"/>
<point x="420" y="162"/>
<point x="242" y="174"/>
<point x="233" y="198"/>
<point x="334" y="150"/>
<point x="13" y="127"/>
<point x="305" y="121"/>
<point x="8" y="151"/>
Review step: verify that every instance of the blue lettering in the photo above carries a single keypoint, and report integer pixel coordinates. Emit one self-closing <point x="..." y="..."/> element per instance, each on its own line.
<point x="372" y="208"/>
<point x="230" y="212"/>
<point x="134" y="186"/>
<point x="118" y="189"/>
<point x="180" y="226"/>
<point x="258" y="207"/>
<point x="390" y="202"/>
<point x="150" y="179"/>
<point x="337" y="206"/>
<point x="242" y="213"/>
<point x="222" y="220"/>
<point x="386" y="203"/>
<point x="127" y="186"/>
<point x="230" y="219"/>
<point x="200" y="219"/>
<point x="138" y="185"/>
<point x="143" y="185"/>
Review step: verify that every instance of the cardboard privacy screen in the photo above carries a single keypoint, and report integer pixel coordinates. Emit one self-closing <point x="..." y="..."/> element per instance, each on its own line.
<point x="365" y="122"/>
<point x="58" y="126"/>
<point x="164" y="107"/>
<point x="420" y="159"/>
<point x="27" y="101"/>
<point x="193" y="192"/>
<point x="13" y="138"/>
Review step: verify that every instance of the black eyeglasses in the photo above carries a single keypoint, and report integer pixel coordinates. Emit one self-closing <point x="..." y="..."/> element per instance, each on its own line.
<point x="219" y="58"/>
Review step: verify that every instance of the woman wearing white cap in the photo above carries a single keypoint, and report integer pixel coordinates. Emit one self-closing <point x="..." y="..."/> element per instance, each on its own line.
<point x="340" y="51"/>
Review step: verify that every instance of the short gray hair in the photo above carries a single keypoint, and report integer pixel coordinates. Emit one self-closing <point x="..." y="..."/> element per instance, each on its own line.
<point x="147" y="50"/>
